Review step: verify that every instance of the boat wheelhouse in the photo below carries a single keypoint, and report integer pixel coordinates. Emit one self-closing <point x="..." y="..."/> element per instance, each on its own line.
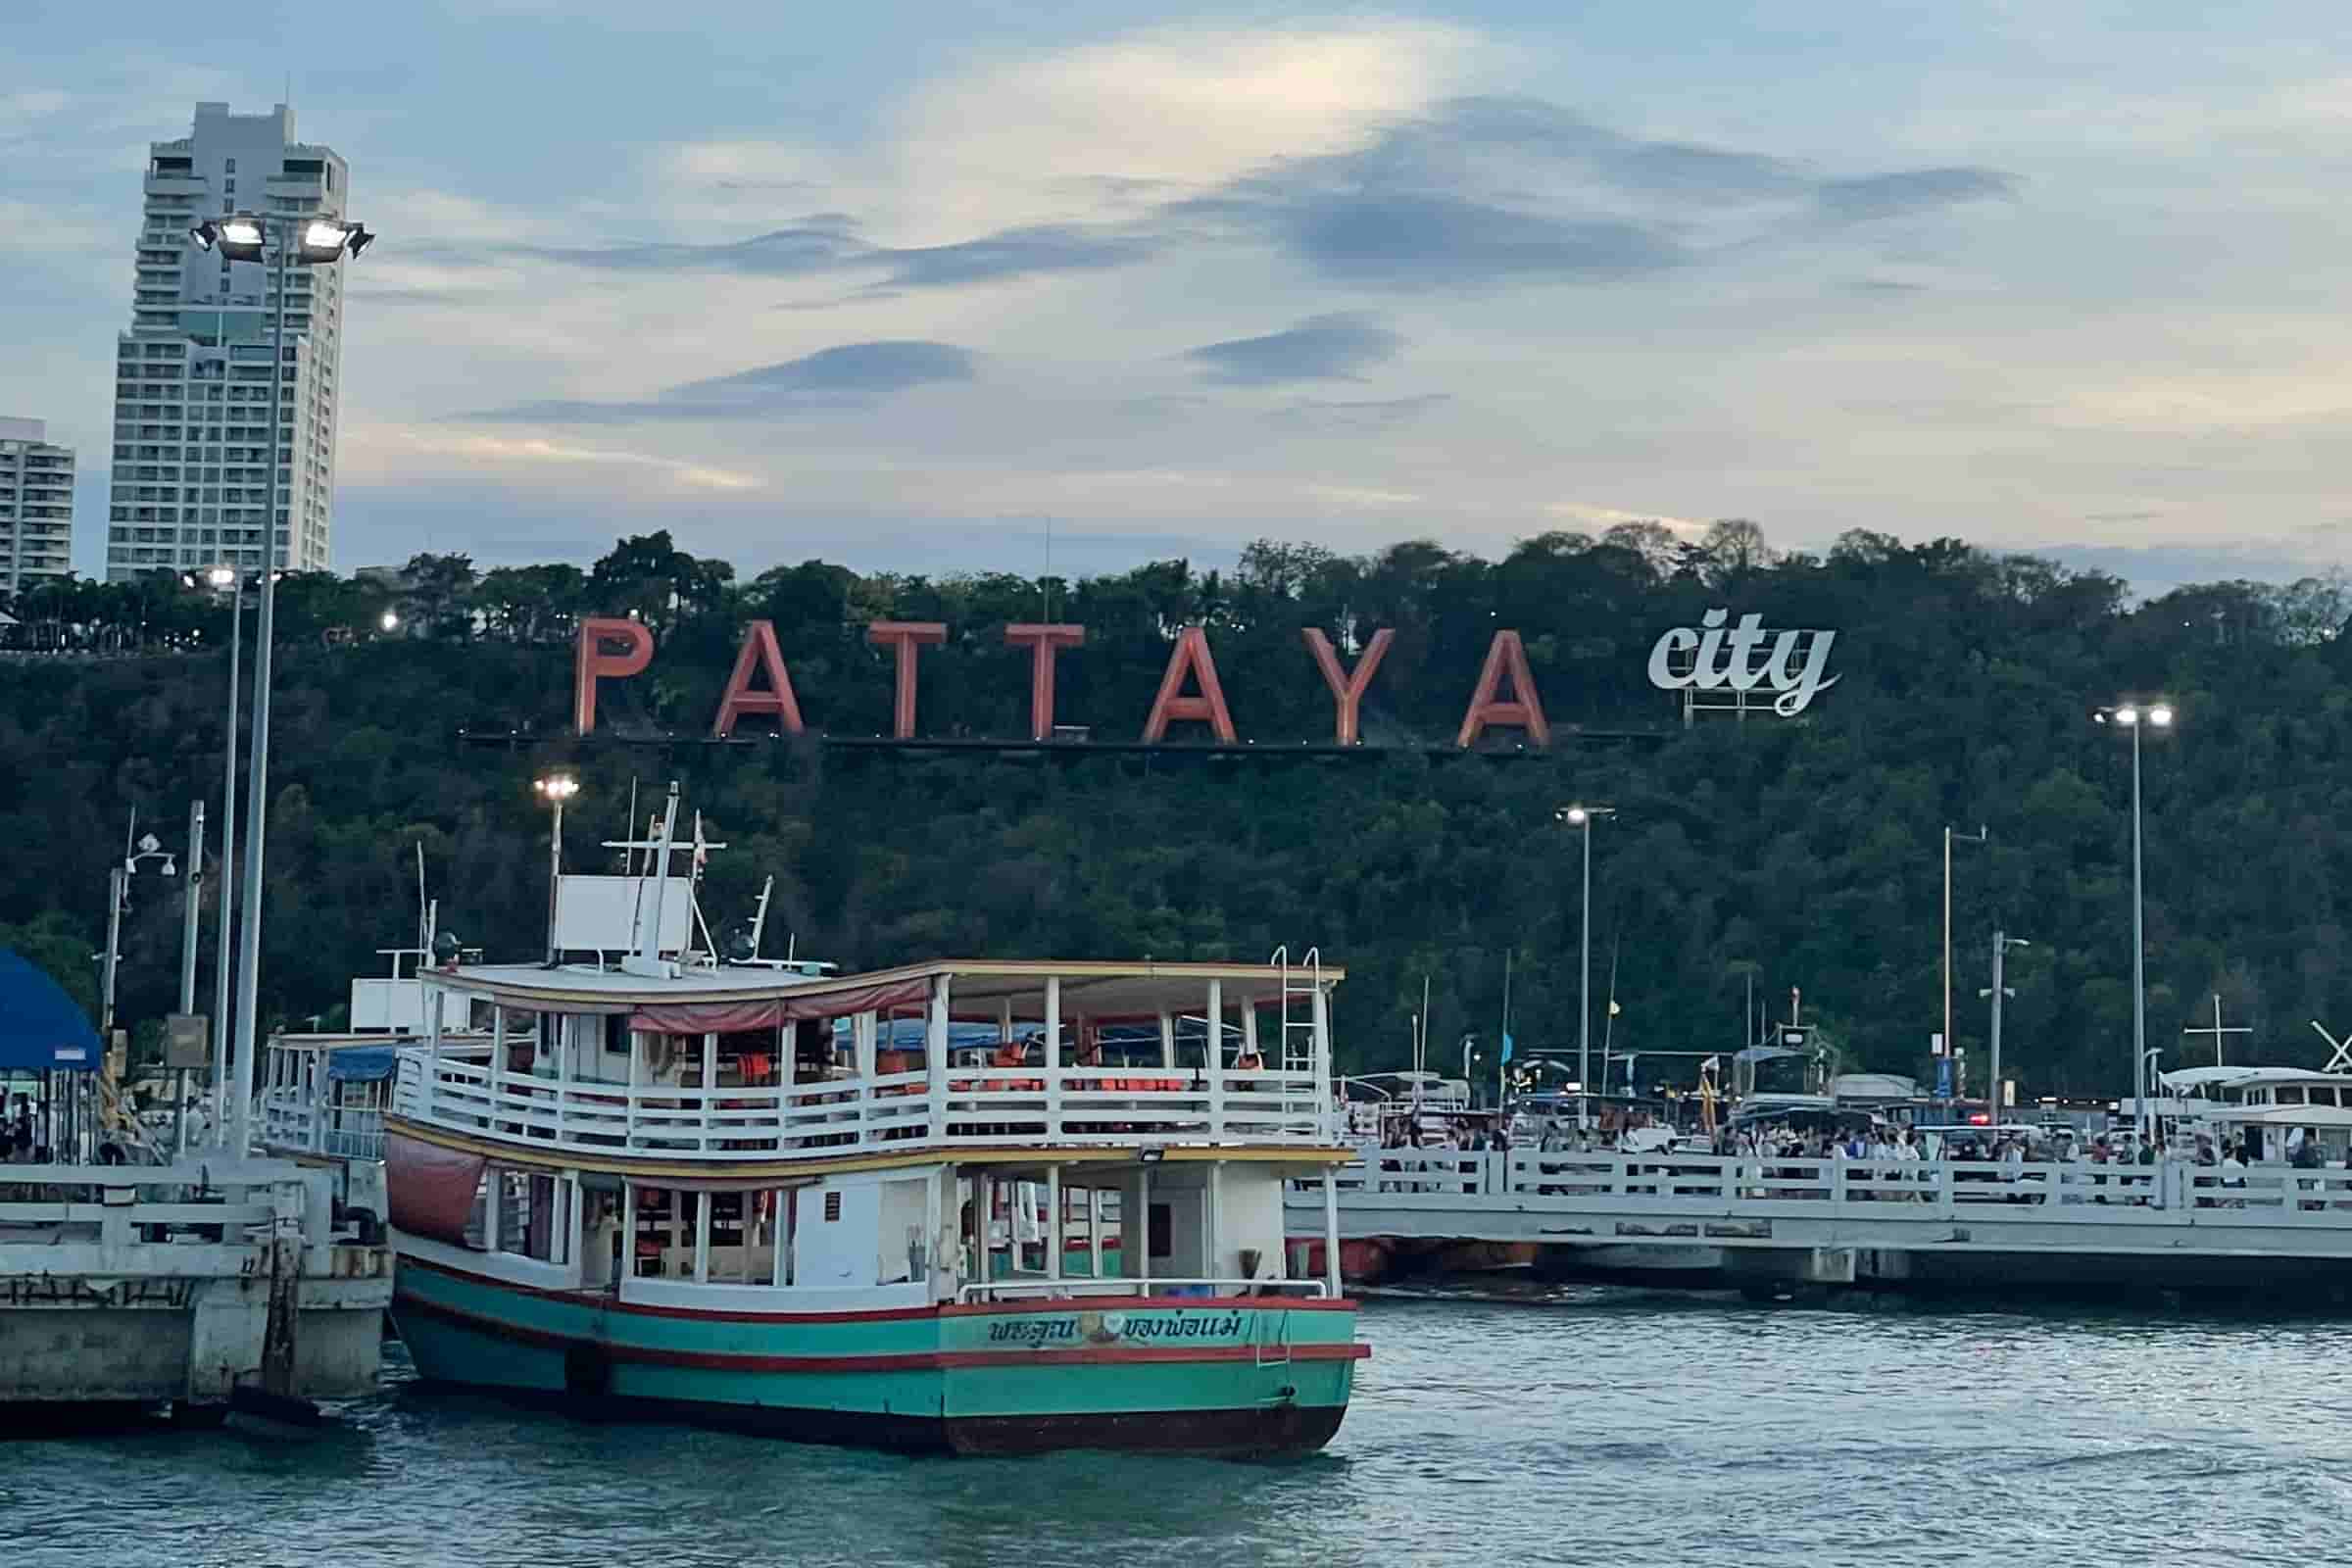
<point x="977" y="1206"/>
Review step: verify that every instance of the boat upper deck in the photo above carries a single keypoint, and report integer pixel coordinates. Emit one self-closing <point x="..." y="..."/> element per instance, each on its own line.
<point x="726" y="1063"/>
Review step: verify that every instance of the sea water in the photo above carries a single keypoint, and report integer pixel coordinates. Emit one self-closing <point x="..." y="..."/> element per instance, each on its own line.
<point x="1577" y="1426"/>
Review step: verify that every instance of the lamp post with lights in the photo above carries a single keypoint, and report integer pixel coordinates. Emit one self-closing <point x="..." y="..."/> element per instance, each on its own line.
<point x="311" y="241"/>
<point x="554" y="788"/>
<point x="2136" y="717"/>
<point x="1581" y="818"/>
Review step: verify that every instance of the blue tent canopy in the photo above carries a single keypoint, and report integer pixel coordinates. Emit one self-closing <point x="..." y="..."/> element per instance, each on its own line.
<point x="361" y="1064"/>
<point x="40" y="1027"/>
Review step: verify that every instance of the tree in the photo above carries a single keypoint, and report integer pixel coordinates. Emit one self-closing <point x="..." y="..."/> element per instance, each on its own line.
<point x="439" y="594"/>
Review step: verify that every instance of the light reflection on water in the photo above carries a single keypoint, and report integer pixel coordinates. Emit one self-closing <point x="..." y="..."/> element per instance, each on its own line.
<point x="1592" y="1426"/>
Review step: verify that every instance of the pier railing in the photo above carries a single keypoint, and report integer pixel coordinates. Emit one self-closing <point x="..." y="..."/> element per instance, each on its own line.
<point x="1697" y="1186"/>
<point x="462" y="1090"/>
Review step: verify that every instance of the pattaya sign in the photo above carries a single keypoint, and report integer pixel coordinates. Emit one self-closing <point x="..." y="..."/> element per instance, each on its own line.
<point x="1708" y="657"/>
<point x="1190" y="692"/>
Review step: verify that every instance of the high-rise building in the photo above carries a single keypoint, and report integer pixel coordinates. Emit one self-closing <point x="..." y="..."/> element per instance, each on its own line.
<point x="36" y="505"/>
<point x="190" y="481"/>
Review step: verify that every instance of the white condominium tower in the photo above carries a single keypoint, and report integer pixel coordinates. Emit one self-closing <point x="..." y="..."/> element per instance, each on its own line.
<point x="190" y="481"/>
<point x="36" y="505"/>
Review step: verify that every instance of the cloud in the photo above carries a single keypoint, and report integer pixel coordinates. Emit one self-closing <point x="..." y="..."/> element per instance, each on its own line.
<point x="1485" y="192"/>
<point x="1920" y="190"/>
<point x="820" y="244"/>
<point x="1321" y="348"/>
<point x="1429" y="241"/>
<point x="1013" y="253"/>
<point x="527" y="452"/>
<point x="848" y="375"/>
<point x="1379" y="413"/>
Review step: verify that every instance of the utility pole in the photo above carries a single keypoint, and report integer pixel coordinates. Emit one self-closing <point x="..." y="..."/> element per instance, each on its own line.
<point x="1983" y="835"/>
<point x="2000" y="946"/>
<point x="190" y="913"/>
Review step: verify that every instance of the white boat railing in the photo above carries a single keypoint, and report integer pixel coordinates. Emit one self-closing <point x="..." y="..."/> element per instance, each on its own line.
<point x="1065" y="1106"/>
<point x="1702" y="1185"/>
<point x="297" y="1121"/>
<point x="1174" y="1292"/>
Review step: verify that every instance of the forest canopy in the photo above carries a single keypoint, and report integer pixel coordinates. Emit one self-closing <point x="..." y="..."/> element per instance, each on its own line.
<point x="1797" y="853"/>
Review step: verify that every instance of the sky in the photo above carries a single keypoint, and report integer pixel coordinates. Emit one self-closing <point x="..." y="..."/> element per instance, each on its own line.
<point x="927" y="287"/>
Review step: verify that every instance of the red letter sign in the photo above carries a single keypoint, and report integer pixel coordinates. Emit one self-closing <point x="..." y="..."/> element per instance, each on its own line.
<point x="589" y="660"/>
<point x="1191" y="652"/>
<point x="1348" y="692"/>
<point x="742" y="698"/>
<point x="1044" y="639"/>
<point x="1525" y="710"/>
<point x="906" y="636"/>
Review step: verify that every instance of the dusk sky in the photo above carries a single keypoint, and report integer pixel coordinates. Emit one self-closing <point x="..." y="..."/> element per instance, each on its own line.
<point x="896" y="283"/>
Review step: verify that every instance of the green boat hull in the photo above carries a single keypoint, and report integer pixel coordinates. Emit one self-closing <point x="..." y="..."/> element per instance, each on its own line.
<point x="1241" y="1376"/>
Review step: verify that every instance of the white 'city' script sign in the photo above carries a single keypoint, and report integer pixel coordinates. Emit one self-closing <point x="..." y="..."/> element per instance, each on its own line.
<point x="1718" y="659"/>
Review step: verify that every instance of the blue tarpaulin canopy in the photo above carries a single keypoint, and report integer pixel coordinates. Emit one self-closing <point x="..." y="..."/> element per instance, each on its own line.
<point x="40" y="1026"/>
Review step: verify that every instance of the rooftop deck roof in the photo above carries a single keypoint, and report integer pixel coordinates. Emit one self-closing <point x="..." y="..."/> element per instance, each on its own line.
<point x="977" y="986"/>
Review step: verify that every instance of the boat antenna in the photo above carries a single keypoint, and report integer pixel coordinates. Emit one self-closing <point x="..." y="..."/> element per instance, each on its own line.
<point x="425" y="941"/>
<point x="1608" y="1027"/>
<point x="759" y="914"/>
<point x="628" y="850"/>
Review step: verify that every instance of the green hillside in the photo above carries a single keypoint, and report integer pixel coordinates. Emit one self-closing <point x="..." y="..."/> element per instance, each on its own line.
<point x="1804" y="851"/>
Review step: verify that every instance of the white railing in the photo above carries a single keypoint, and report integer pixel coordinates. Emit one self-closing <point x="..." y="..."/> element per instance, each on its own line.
<point x="1080" y="1287"/>
<point x="893" y="1113"/>
<point x="1708" y="1186"/>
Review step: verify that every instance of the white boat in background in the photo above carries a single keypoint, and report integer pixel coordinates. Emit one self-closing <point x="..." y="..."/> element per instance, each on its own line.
<point x="2262" y="1107"/>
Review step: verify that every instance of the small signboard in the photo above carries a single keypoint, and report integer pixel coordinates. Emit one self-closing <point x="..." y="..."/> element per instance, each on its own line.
<point x="187" y="1041"/>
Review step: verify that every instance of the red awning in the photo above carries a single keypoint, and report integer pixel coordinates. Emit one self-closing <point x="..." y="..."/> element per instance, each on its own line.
<point x="816" y="1001"/>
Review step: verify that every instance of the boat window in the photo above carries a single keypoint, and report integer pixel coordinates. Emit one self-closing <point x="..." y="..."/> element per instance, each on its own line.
<point x="743" y="1238"/>
<point x="2290" y="1095"/>
<point x="531" y="1222"/>
<point x="2323" y="1095"/>
<point x="664" y="1234"/>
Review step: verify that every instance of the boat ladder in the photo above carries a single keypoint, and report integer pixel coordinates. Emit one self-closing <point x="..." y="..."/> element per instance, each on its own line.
<point x="1303" y="985"/>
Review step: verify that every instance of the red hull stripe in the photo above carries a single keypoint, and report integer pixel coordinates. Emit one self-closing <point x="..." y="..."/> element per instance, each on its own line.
<point x="910" y="1361"/>
<point x="600" y="1300"/>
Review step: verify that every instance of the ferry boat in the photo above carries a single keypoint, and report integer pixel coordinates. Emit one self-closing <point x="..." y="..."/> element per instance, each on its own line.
<point x="735" y="1192"/>
<point x="2260" y="1107"/>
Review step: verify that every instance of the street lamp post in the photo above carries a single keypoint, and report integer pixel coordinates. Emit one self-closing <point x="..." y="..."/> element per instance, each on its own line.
<point x="1581" y="818"/>
<point x="554" y="788"/>
<point x="227" y="578"/>
<point x="1983" y="835"/>
<point x="313" y="241"/>
<point x="2133" y="717"/>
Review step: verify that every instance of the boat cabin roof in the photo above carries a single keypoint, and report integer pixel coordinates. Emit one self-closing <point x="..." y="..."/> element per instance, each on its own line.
<point x="979" y="988"/>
